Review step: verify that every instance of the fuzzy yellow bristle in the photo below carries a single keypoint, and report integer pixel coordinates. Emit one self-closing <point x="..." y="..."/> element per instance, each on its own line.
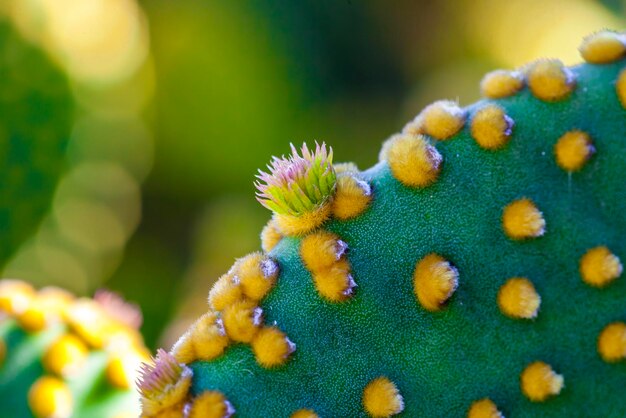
<point x="208" y="336"/>
<point x="15" y="296"/>
<point x="224" y="292"/>
<point x="441" y="120"/>
<point x="336" y="282"/>
<point x="612" y="342"/>
<point x="434" y="281"/>
<point x="50" y="397"/>
<point x="521" y="220"/>
<point x="603" y="47"/>
<point x="352" y="197"/>
<point x="412" y="160"/>
<point x="242" y="320"/>
<point x="120" y="370"/>
<point x="34" y="318"/>
<point x="501" y="83"/>
<point x="346" y="168"/>
<point x="3" y="352"/>
<point x="539" y="381"/>
<point x="211" y="404"/>
<point x="490" y="127"/>
<point x="296" y="226"/>
<point x="66" y="355"/>
<point x="484" y="408"/>
<point x="573" y="149"/>
<point x="257" y="274"/>
<point x="620" y="87"/>
<point x="272" y="347"/>
<point x="599" y="266"/>
<point x="382" y="399"/>
<point x="517" y="298"/>
<point x="204" y="340"/>
<point x="270" y="236"/>
<point x="55" y="300"/>
<point x="321" y="249"/>
<point x="550" y="80"/>
<point x="304" y="413"/>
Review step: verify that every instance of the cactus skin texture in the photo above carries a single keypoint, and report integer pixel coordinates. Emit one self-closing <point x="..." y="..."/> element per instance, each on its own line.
<point x="36" y="112"/>
<point x="67" y="357"/>
<point x="486" y="260"/>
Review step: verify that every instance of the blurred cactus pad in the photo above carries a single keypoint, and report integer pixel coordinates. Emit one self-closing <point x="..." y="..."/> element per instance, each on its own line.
<point x="36" y="113"/>
<point x="474" y="271"/>
<point x="67" y="357"/>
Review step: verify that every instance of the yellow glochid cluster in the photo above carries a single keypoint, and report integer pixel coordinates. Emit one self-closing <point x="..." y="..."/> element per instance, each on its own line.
<point x="105" y="323"/>
<point x="434" y="281"/>
<point x="382" y="399"/>
<point x="324" y="255"/>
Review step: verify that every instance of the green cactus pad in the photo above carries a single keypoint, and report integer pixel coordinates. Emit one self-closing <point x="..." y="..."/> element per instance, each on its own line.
<point x="95" y="370"/>
<point x="36" y="112"/>
<point x="445" y="358"/>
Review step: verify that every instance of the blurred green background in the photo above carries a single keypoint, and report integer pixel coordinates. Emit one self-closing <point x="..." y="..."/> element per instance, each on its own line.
<point x="178" y="103"/>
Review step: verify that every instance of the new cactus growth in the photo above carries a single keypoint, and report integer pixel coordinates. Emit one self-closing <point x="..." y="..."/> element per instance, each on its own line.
<point x="63" y="357"/>
<point x="474" y="271"/>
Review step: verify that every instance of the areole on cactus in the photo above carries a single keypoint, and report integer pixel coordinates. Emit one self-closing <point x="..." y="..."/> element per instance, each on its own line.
<point x="474" y="271"/>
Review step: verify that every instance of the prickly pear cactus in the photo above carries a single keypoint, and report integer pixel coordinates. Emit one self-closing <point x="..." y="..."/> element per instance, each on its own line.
<point x="63" y="357"/>
<point x="474" y="271"/>
<point x="35" y="120"/>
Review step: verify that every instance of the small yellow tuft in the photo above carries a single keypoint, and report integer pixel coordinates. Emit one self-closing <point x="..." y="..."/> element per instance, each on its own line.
<point x="211" y="404"/>
<point x="381" y="398"/>
<point x="620" y="87"/>
<point x="573" y="150"/>
<point x="295" y="226"/>
<point x="304" y="413"/>
<point x="539" y="381"/>
<point x="521" y="219"/>
<point x="412" y="160"/>
<point x="335" y="283"/>
<point x="15" y="296"/>
<point x="501" y="83"/>
<point x="352" y="197"/>
<point x="550" y="80"/>
<point x="49" y="397"/>
<point x="257" y="274"/>
<point x="346" y="168"/>
<point x="603" y="47"/>
<point x="484" y="408"/>
<point x="517" y="298"/>
<point x="224" y="292"/>
<point x="270" y="236"/>
<point x="66" y="356"/>
<point x="205" y="340"/>
<point x="120" y="370"/>
<point x="272" y="347"/>
<point x="434" y="281"/>
<point x="242" y="320"/>
<point x="320" y="250"/>
<point x="34" y="318"/>
<point x="612" y="342"/>
<point x="491" y="128"/>
<point x="599" y="267"/>
<point x="441" y="120"/>
<point x="3" y="352"/>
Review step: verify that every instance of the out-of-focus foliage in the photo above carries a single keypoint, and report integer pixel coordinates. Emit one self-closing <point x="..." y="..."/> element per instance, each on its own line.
<point x="35" y="119"/>
<point x="102" y="46"/>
